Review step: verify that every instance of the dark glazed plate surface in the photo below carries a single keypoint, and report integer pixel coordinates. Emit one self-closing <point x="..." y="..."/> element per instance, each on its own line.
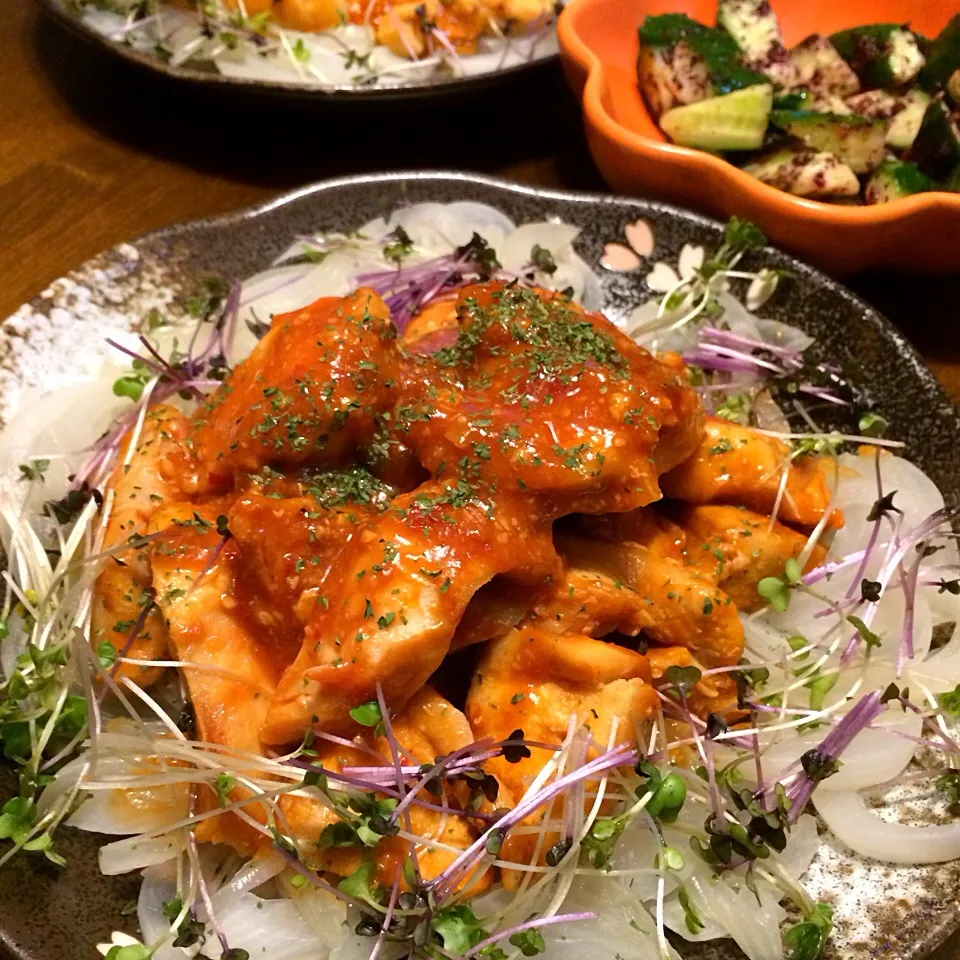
<point x="893" y="912"/>
<point x="436" y="88"/>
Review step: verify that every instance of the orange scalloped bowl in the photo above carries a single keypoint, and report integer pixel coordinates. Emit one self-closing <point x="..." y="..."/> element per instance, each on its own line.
<point x="599" y="45"/>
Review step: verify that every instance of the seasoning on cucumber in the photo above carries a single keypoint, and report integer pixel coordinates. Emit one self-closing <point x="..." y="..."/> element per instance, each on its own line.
<point x="937" y="146"/>
<point x="857" y="141"/>
<point x="953" y="86"/>
<point x="894" y="179"/>
<point x="682" y="61"/>
<point x="881" y="54"/>
<point x="905" y="124"/>
<point x="754" y="28"/>
<point x="805" y="173"/>
<point x="821" y="69"/>
<point x="867" y="114"/>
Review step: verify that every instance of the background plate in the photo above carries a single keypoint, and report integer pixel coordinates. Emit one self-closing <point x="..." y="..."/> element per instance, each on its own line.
<point x="881" y="910"/>
<point x="209" y="76"/>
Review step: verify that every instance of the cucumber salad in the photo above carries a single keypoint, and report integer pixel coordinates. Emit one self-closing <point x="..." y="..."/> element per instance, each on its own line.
<point x="866" y="115"/>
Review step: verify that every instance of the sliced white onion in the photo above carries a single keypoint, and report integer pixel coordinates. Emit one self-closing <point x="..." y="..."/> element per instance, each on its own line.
<point x="155" y="891"/>
<point x="802" y="846"/>
<point x="875" y="755"/>
<point x="283" y="289"/>
<point x="351" y="947"/>
<point x="60" y="426"/>
<point x="623" y="926"/>
<point x="271" y="929"/>
<point x="941" y="670"/>
<point x="439" y="228"/>
<point x="64" y="780"/>
<point x="851" y="822"/>
<point x="779" y="334"/>
<point x="916" y="494"/>
<point x="128" y="812"/>
<point x="324" y="914"/>
<point x="591" y="297"/>
<point x="496" y="53"/>
<point x="726" y="911"/>
<point x="637" y="849"/>
<point x="801" y="618"/>
<point x="253" y="874"/>
<point x="518" y="247"/>
<point x="135" y="853"/>
<point x="639" y="317"/>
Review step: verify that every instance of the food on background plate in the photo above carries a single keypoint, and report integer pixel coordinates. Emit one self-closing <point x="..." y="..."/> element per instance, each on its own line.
<point x="866" y="115"/>
<point x="409" y="604"/>
<point x="332" y="43"/>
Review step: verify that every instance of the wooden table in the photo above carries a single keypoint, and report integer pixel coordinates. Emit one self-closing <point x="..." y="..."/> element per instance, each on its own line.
<point x="94" y="151"/>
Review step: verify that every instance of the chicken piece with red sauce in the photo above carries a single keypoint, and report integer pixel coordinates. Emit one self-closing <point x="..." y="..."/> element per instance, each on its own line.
<point x="537" y="395"/>
<point x="546" y="686"/>
<point x="391" y="608"/>
<point x="157" y="472"/>
<point x="310" y="391"/>
<point x="737" y="465"/>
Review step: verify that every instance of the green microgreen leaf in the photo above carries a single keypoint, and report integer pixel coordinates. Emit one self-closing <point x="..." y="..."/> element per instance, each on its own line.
<point x="805" y="940"/>
<point x="357" y="885"/>
<point x="776" y="592"/>
<point x="530" y="942"/>
<point x="457" y="927"/>
<point x="33" y="470"/>
<point x="106" y="654"/>
<point x="223" y="785"/>
<point x="683" y="679"/>
<point x="367" y="714"/>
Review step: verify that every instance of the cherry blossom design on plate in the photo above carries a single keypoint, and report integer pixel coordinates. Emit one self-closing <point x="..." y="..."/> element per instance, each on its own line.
<point x="663" y="278"/>
<point x="622" y="258"/>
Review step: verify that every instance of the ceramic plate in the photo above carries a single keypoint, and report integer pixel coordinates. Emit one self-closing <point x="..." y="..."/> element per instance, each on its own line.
<point x="881" y="911"/>
<point x="293" y="78"/>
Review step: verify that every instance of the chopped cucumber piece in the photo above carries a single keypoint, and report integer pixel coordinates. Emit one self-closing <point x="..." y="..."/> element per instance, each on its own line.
<point x="672" y="76"/>
<point x="821" y="69"/>
<point x="719" y="52"/>
<point x="894" y="179"/>
<point x="953" y="86"/>
<point x="905" y="125"/>
<point x="735" y="121"/>
<point x="754" y="27"/>
<point x="881" y="54"/>
<point x="807" y="100"/>
<point x="796" y="100"/>
<point x="857" y="141"/>
<point x="904" y="113"/>
<point x="752" y="24"/>
<point x="875" y="105"/>
<point x="905" y="61"/>
<point x="943" y="57"/>
<point x="937" y="145"/>
<point x="806" y="173"/>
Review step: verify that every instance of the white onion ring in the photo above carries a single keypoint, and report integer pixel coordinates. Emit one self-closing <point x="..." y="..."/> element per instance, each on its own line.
<point x="852" y="823"/>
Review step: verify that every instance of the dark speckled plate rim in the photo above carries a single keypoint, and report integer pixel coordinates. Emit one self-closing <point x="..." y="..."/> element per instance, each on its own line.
<point x="935" y="917"/>
<point x="427" y="89"/>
